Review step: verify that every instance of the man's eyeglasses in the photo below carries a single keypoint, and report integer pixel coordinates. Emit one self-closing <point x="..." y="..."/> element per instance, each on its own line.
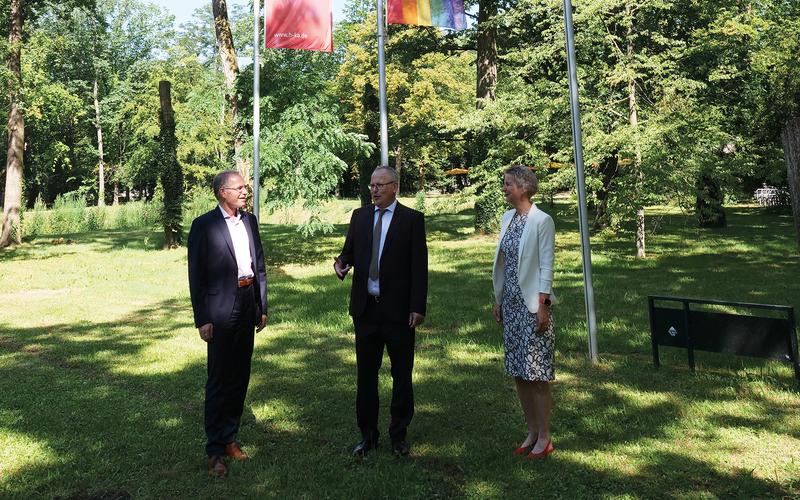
<point x="379" y="185"/>
<point x="237" y="188"/>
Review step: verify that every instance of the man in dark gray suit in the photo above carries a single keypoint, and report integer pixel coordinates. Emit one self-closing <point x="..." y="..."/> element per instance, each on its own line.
<point x="228" y="287"/>
<point x="386" y="246"/>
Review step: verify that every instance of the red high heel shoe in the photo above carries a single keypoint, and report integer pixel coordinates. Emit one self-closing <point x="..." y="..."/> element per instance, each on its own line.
<point x="546" y="451"/>
<point x="523" y="450"/>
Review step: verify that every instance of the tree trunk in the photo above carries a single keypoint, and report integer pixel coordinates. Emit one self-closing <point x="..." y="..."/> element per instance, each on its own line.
<point x="101" y="191"/>
<point x="398" y="165"/>
<point x="633" y="115"/>
<point x="609" y="168"/>
<point x="486" y="200"/>
<point x="369" y="103"/>
<point x="12" y="227"/>
<point x="486" y="63"/>
<point x="171" y="174"/>
<point x="790" y="137"/>
<point x="230" y="68"/>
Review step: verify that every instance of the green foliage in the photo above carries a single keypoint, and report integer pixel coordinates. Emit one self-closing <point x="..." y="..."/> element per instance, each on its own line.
<point x="35" y="221"/>
<point x="712" y="84"/>
<point x="419" y="201"/>
<point x="301" y="159"/>
<point x="70" y="215"/>
<point x="197" y="202"/>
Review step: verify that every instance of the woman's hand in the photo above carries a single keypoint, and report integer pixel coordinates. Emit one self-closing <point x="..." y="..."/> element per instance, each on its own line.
<point x="542" y="318"/>
<point x="498" y="313"/>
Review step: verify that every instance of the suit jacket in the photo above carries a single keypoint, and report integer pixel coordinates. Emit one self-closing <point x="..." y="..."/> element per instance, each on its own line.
<point x="536" y="256"/>
<point x="403" y="266"/>
<point x="213" y="273"/>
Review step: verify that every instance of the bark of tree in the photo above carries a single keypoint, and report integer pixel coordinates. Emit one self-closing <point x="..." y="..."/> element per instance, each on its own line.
<point x="12" y="228"/>
<point x="486" y="63"/>
<point x="171" y="174"/>
<point x="230" y="68"/>
<point x="609" y="168"/>
<point x="633" y="116"/>
<point x="398" y="164"/>
<point x="369" y="102"/>
<point x="790" y="137"/>
<point x="101" y="189"/>
<point x="486" y="202"/>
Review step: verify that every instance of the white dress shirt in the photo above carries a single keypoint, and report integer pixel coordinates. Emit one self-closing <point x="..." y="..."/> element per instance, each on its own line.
<point x="374" y="286"/>
<point x="241" y="243"/>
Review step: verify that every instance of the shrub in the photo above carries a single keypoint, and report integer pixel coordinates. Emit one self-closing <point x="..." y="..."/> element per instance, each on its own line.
<point x="68" y="214"/>
<point x="419" y="201"/>
<point x="35" y="222"/>
<point x="95" y="217"/>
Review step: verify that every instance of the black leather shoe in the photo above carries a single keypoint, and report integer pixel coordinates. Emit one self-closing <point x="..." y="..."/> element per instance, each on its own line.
<point x="400" y="448"/>
<point x="364" y="447"/>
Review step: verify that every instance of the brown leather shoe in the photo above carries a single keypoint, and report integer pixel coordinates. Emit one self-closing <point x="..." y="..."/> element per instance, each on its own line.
<point x="216" y="467"/>
<point x="234" y="451"/>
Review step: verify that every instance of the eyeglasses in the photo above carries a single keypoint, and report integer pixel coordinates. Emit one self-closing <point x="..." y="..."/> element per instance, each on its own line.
<point x="379" y="185"/>
<point x="237" y="188"/>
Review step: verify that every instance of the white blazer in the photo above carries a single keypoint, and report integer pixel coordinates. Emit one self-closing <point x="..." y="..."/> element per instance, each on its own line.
<point x="536" y="256"/>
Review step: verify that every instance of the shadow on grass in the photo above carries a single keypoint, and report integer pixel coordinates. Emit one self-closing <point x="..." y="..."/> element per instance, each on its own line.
<point x="53" y="246"/>
<point x="89" y="422"/>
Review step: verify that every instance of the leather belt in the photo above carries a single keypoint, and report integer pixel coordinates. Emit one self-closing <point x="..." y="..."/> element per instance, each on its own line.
<point x="243" y="282"/>
<point x="375" y="298"/>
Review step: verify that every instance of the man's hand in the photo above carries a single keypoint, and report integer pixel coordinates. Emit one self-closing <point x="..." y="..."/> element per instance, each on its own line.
<point x="542" y="318"/>
<point x="498" y="313"/>
<point x="340" y="268"/>
<point x="262" y="323"/>
<point x="206" y="332"/>
<point x="415" y="319"/>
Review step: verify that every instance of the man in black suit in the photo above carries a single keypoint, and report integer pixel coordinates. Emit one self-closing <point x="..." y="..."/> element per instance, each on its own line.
<point x="228" y="286"/>
<point x="386" y="245"/>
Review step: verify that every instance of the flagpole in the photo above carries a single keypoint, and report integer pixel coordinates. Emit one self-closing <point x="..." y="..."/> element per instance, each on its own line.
<point x="256" y="110"/>
<point x="382" y="89"/>
<point x="591" y="322"/>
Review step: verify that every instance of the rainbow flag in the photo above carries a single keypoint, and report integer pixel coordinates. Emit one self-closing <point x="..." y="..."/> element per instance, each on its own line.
<point x="443" y="13"/>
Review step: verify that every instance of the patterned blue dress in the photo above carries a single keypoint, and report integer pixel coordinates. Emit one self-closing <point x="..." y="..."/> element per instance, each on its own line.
<point x="529" y="355"/>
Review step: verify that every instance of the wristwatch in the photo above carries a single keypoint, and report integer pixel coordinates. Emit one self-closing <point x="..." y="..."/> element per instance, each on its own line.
<point x="545" y="301"/>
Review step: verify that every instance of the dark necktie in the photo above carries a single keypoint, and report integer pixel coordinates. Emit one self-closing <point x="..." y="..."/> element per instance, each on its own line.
<point x="376" y="246"/>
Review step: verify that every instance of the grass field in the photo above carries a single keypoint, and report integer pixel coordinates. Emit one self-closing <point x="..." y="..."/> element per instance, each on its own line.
<point x="102" y="373"/>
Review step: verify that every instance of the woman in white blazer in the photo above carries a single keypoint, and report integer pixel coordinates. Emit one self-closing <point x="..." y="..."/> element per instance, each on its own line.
<point x="523" y="276"/>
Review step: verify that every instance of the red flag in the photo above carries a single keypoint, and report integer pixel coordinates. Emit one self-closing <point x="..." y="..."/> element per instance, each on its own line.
<point x="299" y="24"/>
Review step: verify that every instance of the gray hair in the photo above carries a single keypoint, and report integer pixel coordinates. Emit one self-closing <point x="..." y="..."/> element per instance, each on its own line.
<point x="524" y="178"/>
<point x="392" y="172"/>
<point x="221" y="179"/>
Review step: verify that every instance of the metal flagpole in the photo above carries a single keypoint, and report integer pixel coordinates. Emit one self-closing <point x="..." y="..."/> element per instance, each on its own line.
<point x="591" y="322"/>
<point x="382" y="89"/>
<point x="256" y="109"/>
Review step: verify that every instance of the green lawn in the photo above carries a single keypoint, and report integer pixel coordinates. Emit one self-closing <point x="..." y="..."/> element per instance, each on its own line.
<point x="102" y="373"/>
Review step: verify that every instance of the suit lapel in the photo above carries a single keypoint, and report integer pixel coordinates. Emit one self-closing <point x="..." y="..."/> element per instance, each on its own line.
<point x="392" y="231"/>
<point x="369" y="216"/>
<point x="222" y="227"/>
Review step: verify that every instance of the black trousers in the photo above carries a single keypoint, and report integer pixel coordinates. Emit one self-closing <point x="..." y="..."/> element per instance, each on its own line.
<point x="229" y="354"/>
<point x="373" y="332"/>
